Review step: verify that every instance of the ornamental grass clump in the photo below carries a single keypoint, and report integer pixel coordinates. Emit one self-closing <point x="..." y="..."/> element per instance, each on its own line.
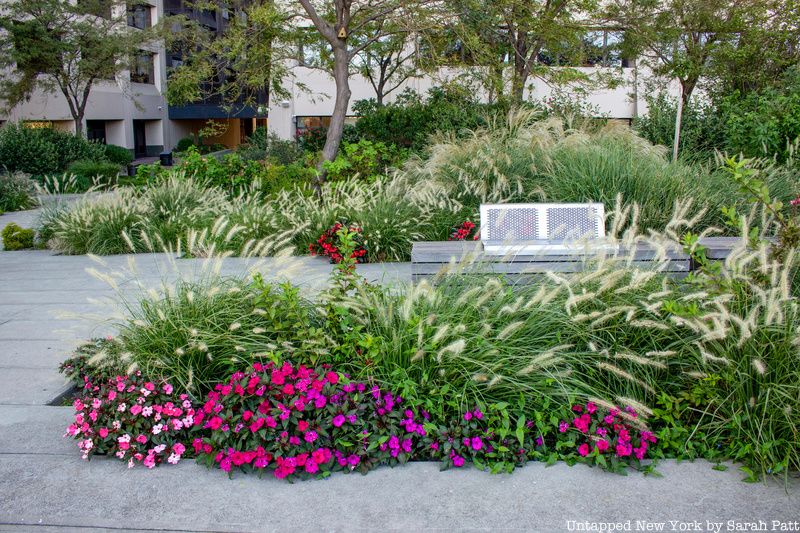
<point x="17" y="192"/>
<point x="197" y="333"/>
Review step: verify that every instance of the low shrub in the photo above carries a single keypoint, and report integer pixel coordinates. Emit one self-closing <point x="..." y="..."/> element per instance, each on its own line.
<point x="184" y="144"/>
<point x="279" y="151"/>
<point x="17" y="238"/>
<point x="328" y="244"/>
<point x="17" y="192"/>
<point x="702" y="127"/>
<point x="91" y="174"/>
<point x="365" y="159"/>
<point x="410" y="120"/>
<point x="118" y="155"/>
<point x="43" y="151"/>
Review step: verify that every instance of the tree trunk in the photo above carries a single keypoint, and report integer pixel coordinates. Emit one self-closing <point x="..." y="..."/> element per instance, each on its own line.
<point x="678" y="119"/>
<point x="78" y="125"/>
<point x="518" y="81"/>
<point x="687" y="87"/>
<point x="334" y="135"/>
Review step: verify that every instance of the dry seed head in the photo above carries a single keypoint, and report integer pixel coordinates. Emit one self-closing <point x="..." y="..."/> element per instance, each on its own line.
<point x="638" y="406"/>
<point x="624" y="375"/>
<point x="664" y="353"/>
<point x="441" y="333"/>
<point x="639" y="360"/>
<point x="649" y="324"/>
<point x="455" y="348"/>
<point x="510" y="329"/>
<point x="759" y="366"/>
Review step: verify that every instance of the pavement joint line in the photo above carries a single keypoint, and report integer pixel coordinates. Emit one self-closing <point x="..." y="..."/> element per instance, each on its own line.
<point x="121" y="528"/>
<point x="50" y="454"/>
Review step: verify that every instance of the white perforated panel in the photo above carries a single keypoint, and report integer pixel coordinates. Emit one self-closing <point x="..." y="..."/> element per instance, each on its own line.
<point x="529" y="222"/>
<point x="572" y="223"/>
<point x="512" y="224"/>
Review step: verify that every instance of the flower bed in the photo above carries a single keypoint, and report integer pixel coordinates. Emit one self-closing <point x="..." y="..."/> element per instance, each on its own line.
<point x="296" y="422"/>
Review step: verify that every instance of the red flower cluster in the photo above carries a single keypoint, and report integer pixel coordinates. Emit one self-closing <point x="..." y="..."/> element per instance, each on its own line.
<point x="611" y="432"/>
<point x="464" y="231"/>
<point x="328" y="244"/>
<point x="299" y="422"/>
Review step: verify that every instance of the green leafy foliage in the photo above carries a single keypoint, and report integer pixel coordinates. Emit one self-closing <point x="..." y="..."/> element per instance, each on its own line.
<point x="118" y="155"/>
<point x="43" y="151"/>
<point x="409" y="121"/>
<point x="365" y="159"/>
<point x="17" y="238"/>
<point x="269" y="146"/>
<point x="93" y="174"/>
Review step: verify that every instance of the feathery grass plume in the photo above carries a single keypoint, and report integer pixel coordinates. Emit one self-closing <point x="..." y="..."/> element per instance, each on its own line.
<point x="510" y="329"/>
<point x="639" y="360"/>
<point x="454" y="348"/>
<point x="441" y="333"/>
<point x="617" y="371"/>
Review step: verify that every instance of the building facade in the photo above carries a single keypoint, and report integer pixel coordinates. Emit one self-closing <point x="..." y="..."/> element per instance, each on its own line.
<point x="131" y="110"/>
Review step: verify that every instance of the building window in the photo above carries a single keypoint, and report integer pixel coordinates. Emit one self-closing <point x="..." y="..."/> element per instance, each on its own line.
<point x="96" y="131"/>
<point x="142" y="68"/>
<point x="139" y="16"/>
<point x="303" y="124"/>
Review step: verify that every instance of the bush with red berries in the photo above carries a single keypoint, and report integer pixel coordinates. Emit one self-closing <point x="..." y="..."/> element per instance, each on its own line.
<point x="329" y="243"/>
<point x="465" y="231"/>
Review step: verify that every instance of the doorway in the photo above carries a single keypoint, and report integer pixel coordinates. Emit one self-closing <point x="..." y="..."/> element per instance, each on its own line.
<point x="139" y="139"/>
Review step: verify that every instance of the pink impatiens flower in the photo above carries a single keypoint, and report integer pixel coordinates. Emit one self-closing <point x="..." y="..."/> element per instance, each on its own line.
<point x="338" y="420"/>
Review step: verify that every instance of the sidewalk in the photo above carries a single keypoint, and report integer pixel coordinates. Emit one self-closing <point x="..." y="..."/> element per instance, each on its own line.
<point x="45" y="486"/>
<point x="46" y="483"/>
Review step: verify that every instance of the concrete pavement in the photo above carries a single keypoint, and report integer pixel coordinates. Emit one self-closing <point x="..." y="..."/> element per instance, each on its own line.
<point x="46" y="484"/>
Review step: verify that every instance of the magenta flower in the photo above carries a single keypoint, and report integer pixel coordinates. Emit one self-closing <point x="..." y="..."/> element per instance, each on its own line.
<point x="338" y="420"/>
<point x="584" y="450"/>
<point x="477" y="443"/>
<point x="458" y="461"/>
<point x="563" y="427"/>
<point x="467" y="416"/>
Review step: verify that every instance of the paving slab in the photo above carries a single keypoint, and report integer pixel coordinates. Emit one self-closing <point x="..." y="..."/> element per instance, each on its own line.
<point x="30" y="386"/>
<point x="28" y="353"/>
<point x="35" y="430"/>
<point x="51" y="329"/>
<point x="66" y="491"/>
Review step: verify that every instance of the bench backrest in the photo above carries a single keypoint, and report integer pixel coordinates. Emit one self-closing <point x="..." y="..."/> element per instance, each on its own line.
<point x="530" y="222"/>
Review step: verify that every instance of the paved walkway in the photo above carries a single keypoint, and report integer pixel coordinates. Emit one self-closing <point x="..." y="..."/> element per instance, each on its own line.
<point x="45" y="486"/>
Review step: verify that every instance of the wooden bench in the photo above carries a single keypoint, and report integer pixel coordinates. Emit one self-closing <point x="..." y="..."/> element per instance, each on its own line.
<point x="525" y="241"/>
<point x="431" y="259"/>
